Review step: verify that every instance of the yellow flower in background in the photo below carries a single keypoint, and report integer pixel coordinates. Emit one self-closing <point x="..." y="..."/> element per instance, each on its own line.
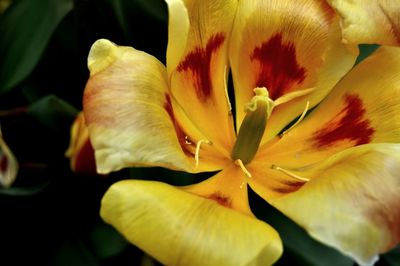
<point x="8" y="164"/>
<point x="336" y="171"/>
<point x="80" y="150"/>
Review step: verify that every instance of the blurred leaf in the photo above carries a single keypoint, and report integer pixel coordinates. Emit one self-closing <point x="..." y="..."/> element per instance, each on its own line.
<point x="74" y="252"/>
<point x="23" y="191"/>
<point x="125" y="9"/>
<point x="299" y="247"/>
<point x="25" y="29"/>
<point x="392" y="258"/>
<point x="365" y="51"/>
<point x="106" y="241"/>
<point x="53" y="112"/>
<point x="155" y="8"/>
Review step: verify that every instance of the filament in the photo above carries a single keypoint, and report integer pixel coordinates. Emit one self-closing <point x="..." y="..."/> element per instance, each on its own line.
<point x="239" y="163"/>
<point x="196" y="155"/>
<point x="298" y="120"/>
<point x="303" y="179"/>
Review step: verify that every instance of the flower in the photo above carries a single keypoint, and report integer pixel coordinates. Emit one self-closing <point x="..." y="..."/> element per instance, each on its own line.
<point x="8" y="164"/>
<point x="80" y="150"/>
<point x="336" y="171"/>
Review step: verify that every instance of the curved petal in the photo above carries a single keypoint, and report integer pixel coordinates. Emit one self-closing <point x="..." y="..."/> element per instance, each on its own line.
<point x="8" y="164"/>
<point x="197" y="66"/>
<point x="352" y="201"/>
<point x="228" y="188"/>
<point x="369" y="21"/>
<point x="128" y="111"/>
<point x="80" y="150"/>
<point x="363" y="108"/>
<point x="287" y="47"/>
<point x="179" y="228"/>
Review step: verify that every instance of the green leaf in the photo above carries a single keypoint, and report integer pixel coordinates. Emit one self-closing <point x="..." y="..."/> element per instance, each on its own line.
<point x="155" y="8"/>
<point x="23" y="191"/>
<point x="106" y="241"/>
<point x="74" y="252"/>
<point x="392" y="258"/>
<point x="125" y="9"/>
<point x="25" y="29"/>
<point x="53" y="112"/>
<point x="299" y="247"/>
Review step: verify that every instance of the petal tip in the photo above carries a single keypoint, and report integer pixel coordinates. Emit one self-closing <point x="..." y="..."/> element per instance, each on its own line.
<point x="101" y="55"/>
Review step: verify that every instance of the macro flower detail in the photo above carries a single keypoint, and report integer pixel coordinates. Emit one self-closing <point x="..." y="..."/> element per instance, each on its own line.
<point x="80" y="150"/>
<point x="334" y="170"/>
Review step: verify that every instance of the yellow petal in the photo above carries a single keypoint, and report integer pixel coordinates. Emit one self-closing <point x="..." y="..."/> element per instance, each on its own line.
<point x="363" y="108"/>
<point x="228" y="188"/>
<point x="287" y="47"/>
<point x="80" y="150"/>
<point x="178" y="30"/>
<point x="197" y="66"/>
<point x="8" y="164"/>
<point x="369" y="21"/>
<point x="179" y="228"/>
<point x="351" y="202"/>
<point x="128" y="111"/>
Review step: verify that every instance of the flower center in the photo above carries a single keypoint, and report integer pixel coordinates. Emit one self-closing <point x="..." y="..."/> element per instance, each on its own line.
<point x="253" y="126"/>
<point x="258" y="110"/>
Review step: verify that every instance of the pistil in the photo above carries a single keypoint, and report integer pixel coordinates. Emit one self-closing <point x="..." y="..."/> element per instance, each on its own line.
<point x="253" y="126"/>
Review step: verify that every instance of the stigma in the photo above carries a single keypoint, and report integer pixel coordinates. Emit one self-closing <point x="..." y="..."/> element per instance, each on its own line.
<point x="251" y="131"/>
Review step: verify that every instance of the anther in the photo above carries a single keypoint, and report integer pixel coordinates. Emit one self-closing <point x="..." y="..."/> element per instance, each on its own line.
<point x="187" y="141"/>
<point x="303" y="179"/>
<point x="196" y="155"/>
<point x="239" y="163"/>
<point x="298" y="120"/>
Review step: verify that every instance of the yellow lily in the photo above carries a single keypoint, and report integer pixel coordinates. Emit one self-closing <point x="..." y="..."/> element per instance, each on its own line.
<point x="336" y="171"/>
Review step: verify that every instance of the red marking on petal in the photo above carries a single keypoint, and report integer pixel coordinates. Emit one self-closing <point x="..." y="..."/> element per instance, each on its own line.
<point x="386" y="214"/>
<point x="183" y="139"/>
<point x="221" y="199"/>
<point x="198" y="62"/>
<point x="289" y="187"/>
<point x="85" y="162"/>
<point x="395" y="29"/>
<point x="4" y="163"/>
<point x="327" y="10"/>
<point x="348" y="124"/>
<point x="278" y="67"/>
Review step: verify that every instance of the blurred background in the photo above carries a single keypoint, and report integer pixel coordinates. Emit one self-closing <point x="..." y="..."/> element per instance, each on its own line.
<point x="50" y="215"/>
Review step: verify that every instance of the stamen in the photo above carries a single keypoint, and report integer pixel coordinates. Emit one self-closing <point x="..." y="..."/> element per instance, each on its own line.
<point x="298" y="120"/>
<point x="292" y="95"/>
<point x="226" y="93"/>
<point x="304" y="179"/>
<point x="187" y="141"/>
<point x="196" y="155"/>
<point x="239" y="163"/>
